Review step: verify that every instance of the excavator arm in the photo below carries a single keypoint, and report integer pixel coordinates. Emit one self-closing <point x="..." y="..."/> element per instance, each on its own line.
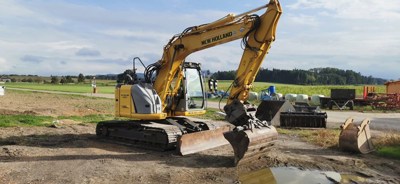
<point x="256" y="47"/>
<point x="257" y="34"/>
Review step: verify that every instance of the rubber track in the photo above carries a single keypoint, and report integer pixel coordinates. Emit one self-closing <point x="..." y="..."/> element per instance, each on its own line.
<point x="149" y="135"/>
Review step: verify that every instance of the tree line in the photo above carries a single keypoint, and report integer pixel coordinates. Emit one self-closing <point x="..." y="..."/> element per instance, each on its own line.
<point x="315" y="76"/>
<point x="53" y="79"/>
<point x="67" y="79"/>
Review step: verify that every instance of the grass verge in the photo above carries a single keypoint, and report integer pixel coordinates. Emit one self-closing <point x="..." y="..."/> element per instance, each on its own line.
<point x="211" y="114"/>
<point x="388" y="145"/>
<point x="24" y="120"/>
<point x="32" y="120"/>
<point x="75" y="88"/>
<point x="93" y="118"/>
<point x="327" y="138"/>
<point x="389" y="151"/>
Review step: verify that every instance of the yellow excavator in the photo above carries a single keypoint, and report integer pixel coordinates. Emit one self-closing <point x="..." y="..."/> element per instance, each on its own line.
<point x="158" y="106"/>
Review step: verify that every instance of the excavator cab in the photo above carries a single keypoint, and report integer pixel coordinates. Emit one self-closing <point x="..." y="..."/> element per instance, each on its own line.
<point x="192" y="100"/>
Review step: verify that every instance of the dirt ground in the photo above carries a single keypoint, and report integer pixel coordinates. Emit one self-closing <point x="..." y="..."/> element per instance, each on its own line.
<point x="72" y="153"/>
<point x="36" y="103"/>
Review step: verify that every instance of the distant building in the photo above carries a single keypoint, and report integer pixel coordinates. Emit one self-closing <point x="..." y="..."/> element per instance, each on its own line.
<point x="393" y="87"/>
<point x="5" y="79"/>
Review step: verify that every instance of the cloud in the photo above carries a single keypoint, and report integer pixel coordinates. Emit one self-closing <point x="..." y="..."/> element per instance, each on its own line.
<point x="86" y="66"/>
<point x="4" y="65"/>
<point x="44" y="38"/>
<point x="87" y="52"/>
<point x="32" y="59"/>
<point x="65" y="45"/>
<point x="117" y="61"/>
<point x="303" y="20"/>
<point x="356" y="9"/>
<point x="141" y="36"/>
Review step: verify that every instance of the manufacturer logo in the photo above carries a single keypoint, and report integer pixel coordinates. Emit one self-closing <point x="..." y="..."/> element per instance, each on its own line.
<point x="217" y="38"/>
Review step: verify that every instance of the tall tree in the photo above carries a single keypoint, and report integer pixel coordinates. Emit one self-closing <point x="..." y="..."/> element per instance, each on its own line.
<point x="62" y="80"/>
<point x="54" y="80"/>
<point x="68" y="79"/>
<point x="81" y="78"/>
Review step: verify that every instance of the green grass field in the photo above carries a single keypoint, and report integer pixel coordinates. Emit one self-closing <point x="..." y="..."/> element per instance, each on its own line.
<point x="390" y="151"/>
<point x="302" y="89"/>
<point x="105" y="86"/>
<point x="35" y="120"/>
<point x="75" y="88"/>
<point x="24" y="120"/>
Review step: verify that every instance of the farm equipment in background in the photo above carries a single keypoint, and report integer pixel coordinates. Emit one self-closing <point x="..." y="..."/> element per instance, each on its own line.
<point x="213" y="90"/>
<point x="368" y="92"/>
<point x="286" y="115"/>
<point x="270" y="110"/>
<point x="269" y="94"/>
<point x="309" y="118"/>
<point x="342" y="98"/>
<point x="212" y="85"/>
<point x="386" y="101"/>
<point x="346" y="98"/>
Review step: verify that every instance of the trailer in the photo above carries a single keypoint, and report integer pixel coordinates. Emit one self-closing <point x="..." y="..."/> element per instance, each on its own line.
<point x="342" y="98"/>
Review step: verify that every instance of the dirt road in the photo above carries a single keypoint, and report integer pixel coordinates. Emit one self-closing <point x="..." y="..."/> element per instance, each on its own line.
<point x="72" y="153"/>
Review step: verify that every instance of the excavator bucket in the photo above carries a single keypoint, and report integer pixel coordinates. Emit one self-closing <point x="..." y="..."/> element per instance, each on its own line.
<point x="200" y="141"/>
<point x="249" y="143"/>
<point x="356" y="138"/>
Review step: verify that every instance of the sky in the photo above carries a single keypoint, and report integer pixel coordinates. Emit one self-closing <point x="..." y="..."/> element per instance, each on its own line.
<point x="68" y="37"/>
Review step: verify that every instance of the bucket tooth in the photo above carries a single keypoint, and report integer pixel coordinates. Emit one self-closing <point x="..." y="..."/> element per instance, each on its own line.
<point x="249" y="143"/>
<point x="356" y="138"/>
